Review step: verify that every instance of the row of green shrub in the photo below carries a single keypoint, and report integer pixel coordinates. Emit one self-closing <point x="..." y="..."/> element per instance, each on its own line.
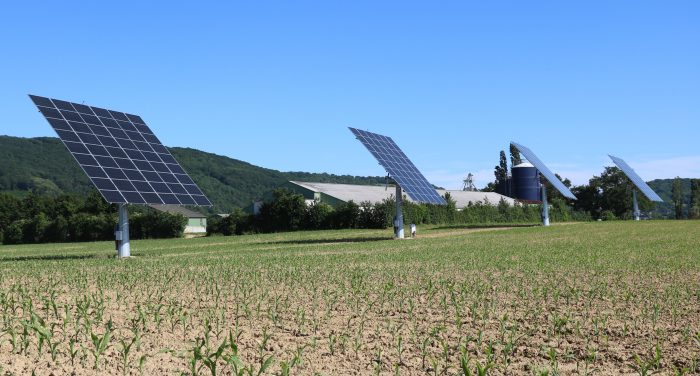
<point x="288" y="211"/>
<point x="43" y="219"/>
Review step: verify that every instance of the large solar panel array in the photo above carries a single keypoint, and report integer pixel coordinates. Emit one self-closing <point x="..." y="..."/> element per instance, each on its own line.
<point x="542" y="168"/>
<point x="636" y="179"/>
<point x="120" y="154"/>
<point x="399" y="167"/>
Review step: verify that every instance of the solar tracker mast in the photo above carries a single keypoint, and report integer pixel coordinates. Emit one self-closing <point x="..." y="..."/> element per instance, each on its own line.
<point x="549" y="175"/>
<point x="402" y="170"/>
<point x="122" y="157"/>
<point x="639" y="183"/>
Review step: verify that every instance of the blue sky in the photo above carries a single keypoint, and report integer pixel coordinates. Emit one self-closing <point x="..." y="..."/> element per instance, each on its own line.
<point x="277" y="84"/>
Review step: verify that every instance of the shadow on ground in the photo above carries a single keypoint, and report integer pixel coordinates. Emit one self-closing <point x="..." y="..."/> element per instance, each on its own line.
<point x="332" y="240"/>
<point x="476" y="227"/>
<point x="49" y="258"/>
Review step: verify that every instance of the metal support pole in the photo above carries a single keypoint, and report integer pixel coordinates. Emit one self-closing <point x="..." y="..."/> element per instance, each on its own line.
<point x="545" y="207"/>
<point x="122" y="235"/>
<point x="399" y="214"/>
<point x="637" y="214"/>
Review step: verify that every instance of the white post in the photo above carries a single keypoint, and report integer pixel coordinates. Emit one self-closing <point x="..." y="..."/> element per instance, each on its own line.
<point x="637" y="214"/>
<point x="399" y="214"/>
<point x="122" y="235"/>
<point x="545" y="207"/>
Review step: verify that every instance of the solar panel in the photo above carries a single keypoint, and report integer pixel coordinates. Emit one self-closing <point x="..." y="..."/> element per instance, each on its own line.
<point x="399" y="167"/>
<point x="636" y="179"/>
<point x="542" y="168"/>
<point x="120" y="154"/>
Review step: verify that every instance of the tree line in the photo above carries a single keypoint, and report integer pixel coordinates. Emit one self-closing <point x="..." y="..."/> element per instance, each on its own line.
<point x="71" y="218"/>
<point x="607" y="196"/>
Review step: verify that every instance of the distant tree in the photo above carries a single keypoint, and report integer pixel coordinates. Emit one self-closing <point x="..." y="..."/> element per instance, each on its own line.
<point x="612" y="191"/>
<point x="694" y="209"/>
<point x="515" y="158"/>
<point x="501" y="173"/>
<point x="285" y="212"/>
<point x="677" y="197"/>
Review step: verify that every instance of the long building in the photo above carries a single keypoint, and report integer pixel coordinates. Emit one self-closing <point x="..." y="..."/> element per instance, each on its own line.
<point x="336" y="194"/>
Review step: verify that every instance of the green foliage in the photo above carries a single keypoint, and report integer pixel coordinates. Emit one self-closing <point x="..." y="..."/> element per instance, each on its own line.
<point x="285" y="212"/>
<point x="677" y="197"/>
<point x="154" y="224"/>
<point x="236" y="223"/>
<point x="694" y="205"/>
<point x="611" y="191"/>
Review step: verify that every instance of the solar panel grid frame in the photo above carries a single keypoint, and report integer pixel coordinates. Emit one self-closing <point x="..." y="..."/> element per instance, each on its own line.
<point x="636" y="179"/>
<point x="120" y="154"/>
<point x="544" y="170"/>
<point x="397" y="164"/>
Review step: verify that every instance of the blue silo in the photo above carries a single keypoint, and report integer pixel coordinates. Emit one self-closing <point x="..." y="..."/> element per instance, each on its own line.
<point x="526" y="182"/>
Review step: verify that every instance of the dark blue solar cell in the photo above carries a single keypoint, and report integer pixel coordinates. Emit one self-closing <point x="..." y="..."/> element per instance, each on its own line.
<point x="186" y="199"/>
<point x="168" y="178"/>
<point x="89" y="119"/>
<point x="108" y="141"/>
<point x="79" y="127"/>
<point x="103" y="184"/>
<point x="143" y="146"/>
<point x="150" y="138"/>
<point x="115" y="173"/>
<point x="176" y="188"/>
<point x="201" y="200"/>
<point x="160" y="149"/>
<point x="125" y="163"/>
<point x="113" y="197"/>
<point x="94" y="172"/>
<point x="118" y="115"/>
<point x="83" y="109"/>
<point x="126" y="144"/>
<point x="86" y="159"/>
<point x="50" y="112"/>
<point x="97" y="150"/>
<point x="151" y="157"/>
<point x="176" y="168"/>
<point x="90" y="139"/>
<point x="59" y="124"/>
<point x="151" y="198"/>
<point x="116" y="152"/>
<point x="135" y="119"/>
<point x="126" y="126"/>
<point x="134" y="154"/>
<point x="67" y="135"/>
<point x="142" y="186"/>
<point x="101" y="112"/>
<point x="192" y="189"/>
<point x="144" y="129"/>
<point x="133" y="197"/>
<point x="72" y="116"/>
<point x="160" y="187"/>
<point x="184" y="179"/>
<point x="134" y="175"/>
<point x="160" y="167"/>
<point x="118" y="133"/>
<point x="109" y="122"/>
<point x="41" y="101"/>
<point x="167" y="158"/>
<point x="106" y="162"/>
<point x="75" y="147"/>
<point x="135" y="136"/>
<point x="123" y="185"/>
<point x="100" y="130"/>
<point x="143" y="165"/>
<point x="63" y="105"/>
<point x="151" y="176"/>
<point x="169" y="199"/>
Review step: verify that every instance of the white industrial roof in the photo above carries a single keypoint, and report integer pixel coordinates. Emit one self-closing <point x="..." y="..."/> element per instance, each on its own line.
<point x="375" y="194"/>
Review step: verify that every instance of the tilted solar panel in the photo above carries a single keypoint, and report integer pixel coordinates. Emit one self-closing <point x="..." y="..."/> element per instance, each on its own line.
<point x="542" y="168"/>
<point x="636" y="179"/>
<point x="120" y="154"/>
<point x="399" y="167"/>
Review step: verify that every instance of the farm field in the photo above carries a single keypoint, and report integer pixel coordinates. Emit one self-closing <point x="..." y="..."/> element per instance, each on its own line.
<point x="612" y="298"/>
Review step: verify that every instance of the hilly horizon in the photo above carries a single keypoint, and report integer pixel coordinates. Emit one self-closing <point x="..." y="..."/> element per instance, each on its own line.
<point x="43" y="165"/>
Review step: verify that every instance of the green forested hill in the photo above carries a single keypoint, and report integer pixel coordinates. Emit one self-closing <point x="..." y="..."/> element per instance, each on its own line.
<point x="663" y="188"/>
<point x="45" y="166"/>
